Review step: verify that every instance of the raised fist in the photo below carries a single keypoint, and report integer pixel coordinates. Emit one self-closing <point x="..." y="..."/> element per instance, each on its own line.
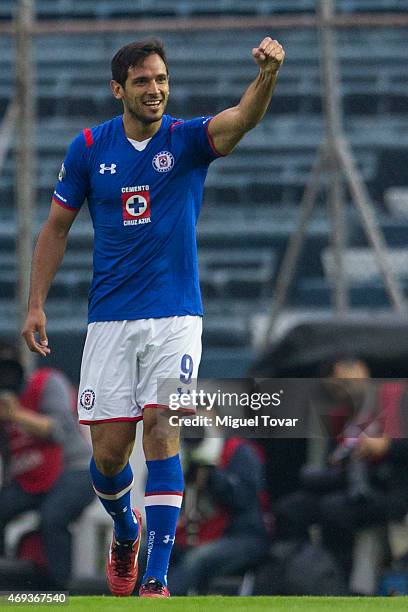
<point x="269" y="55"/>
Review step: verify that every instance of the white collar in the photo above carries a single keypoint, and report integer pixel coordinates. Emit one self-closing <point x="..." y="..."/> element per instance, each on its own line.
<point x="139" y="145"/>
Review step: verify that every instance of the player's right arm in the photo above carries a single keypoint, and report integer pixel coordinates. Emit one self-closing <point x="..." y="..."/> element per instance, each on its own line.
<point x="70" y="193"/>
<point x="47" y="258"/>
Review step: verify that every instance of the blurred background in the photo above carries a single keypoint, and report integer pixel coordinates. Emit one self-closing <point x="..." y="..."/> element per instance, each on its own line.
<point x="344" y="83"/>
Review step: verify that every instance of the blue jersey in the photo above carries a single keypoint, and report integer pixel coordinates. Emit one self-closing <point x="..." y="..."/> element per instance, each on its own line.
<point x="144" y="207"/>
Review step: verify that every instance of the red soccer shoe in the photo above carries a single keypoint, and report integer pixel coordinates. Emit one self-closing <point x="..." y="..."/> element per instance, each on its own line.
<point x="153" y="588"/>
<point x="121" y="564"/>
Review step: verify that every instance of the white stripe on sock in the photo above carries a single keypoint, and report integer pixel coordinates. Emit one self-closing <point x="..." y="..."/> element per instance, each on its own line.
<point x="164" y="500"/>
<point x="114" y="496"/>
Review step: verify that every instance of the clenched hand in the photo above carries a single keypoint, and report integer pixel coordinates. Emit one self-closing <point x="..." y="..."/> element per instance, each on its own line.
<point x="269" y="55"/>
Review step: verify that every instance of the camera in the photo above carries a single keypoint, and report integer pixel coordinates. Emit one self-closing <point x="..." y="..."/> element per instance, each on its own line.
<point x="356" y="471"/>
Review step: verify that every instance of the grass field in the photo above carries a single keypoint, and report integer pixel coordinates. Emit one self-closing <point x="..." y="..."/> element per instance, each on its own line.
<point x="235" y="604"/>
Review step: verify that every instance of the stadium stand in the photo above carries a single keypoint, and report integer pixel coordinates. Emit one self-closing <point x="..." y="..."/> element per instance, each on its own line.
<point x="62" y="9"/>
<point x="252" y="196"/>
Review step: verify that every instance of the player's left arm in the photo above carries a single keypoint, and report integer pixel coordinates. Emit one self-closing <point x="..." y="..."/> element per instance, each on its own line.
<point x="228" y="127"/>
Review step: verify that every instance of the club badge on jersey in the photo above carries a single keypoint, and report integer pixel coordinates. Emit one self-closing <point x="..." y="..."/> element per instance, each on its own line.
<point x="163" y="161"/>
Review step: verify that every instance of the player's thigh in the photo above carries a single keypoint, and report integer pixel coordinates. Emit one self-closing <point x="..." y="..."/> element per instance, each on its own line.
<point x="172" y="361"/>
<point x="108" y="374"/>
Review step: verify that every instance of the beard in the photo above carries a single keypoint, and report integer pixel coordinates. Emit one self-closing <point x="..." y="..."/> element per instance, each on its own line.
<point x="145" y="118"/>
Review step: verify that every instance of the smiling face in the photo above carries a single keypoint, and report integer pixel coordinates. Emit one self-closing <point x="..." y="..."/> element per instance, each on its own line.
<point x="146" y="90"/>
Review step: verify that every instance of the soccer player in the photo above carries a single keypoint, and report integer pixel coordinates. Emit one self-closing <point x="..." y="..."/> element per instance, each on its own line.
<point x="142" y="174"/>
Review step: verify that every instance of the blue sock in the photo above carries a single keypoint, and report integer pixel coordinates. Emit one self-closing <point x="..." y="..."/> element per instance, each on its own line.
<point x="114" y="494"/>
<point x="163" y="497"/>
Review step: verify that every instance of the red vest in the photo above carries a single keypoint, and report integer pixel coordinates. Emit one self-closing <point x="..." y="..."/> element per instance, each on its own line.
<point x="390" y="412"/>
<point x="388" y="416"/>
<point x="35" y="463"/>
<point x="213" y="527"/>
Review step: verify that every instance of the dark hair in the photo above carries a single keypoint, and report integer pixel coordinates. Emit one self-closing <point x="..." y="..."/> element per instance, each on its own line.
<point x="134" y="54"/>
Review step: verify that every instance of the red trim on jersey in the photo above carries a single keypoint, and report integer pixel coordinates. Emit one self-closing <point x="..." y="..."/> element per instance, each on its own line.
<point x="139" y="418"/>
<point x="180" y="493"/>
<point x="173" y="125"/>
<point x="88" y="137"/>
<point x="63" y="205"/>
<point x="210" y="140"/>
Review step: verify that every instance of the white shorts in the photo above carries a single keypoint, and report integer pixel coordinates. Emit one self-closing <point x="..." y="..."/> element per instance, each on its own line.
<point x="124" y="362"/>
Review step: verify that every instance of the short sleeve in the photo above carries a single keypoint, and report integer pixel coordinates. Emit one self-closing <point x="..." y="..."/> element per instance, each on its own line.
<point x="197" y="139"/>
<point x="73" y="179"/>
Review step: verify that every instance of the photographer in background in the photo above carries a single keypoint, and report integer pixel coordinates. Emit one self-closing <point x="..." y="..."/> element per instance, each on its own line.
<point x="365" y="481"/>
<point x="223" y="528"/>
<point x="48" y="459"/>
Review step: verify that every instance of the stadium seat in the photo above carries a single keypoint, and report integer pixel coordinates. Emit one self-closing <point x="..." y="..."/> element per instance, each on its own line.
<point x="252" y="197"/>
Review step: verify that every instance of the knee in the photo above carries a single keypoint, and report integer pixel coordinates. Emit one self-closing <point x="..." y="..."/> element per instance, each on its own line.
<point x="112" y="446"/>
<point x="109" y="462"/>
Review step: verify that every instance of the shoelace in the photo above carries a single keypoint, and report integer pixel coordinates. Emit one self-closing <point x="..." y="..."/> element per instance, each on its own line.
<point x="154" y="586"/>
<point x="123" y="554"/>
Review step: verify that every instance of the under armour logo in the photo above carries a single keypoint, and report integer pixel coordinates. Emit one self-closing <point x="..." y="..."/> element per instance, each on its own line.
<point x="168" y="539"/>
<point x="104" y="168"/>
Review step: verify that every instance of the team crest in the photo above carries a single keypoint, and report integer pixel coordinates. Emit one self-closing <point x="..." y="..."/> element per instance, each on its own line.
<point x="87" y="399"/>
<point x="163" y="161"/>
